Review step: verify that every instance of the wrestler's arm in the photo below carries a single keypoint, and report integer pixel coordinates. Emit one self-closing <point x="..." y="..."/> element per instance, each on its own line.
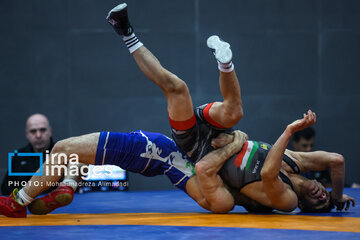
<point x="281" y="197"/>
<point x="207" y="188"/>
<point x="336" y="163"/>
<point x="230" y="145"/>
<point x="320" y="161"/>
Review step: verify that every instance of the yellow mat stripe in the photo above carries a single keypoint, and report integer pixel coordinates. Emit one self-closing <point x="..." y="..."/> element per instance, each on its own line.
<point x="296" y="222"/>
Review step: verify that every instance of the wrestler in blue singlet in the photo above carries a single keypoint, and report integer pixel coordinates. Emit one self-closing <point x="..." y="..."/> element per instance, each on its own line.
<point x="147" y="153"/>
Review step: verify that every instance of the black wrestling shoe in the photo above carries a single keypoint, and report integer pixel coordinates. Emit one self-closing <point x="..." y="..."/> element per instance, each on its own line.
<point x="118" y="19"/>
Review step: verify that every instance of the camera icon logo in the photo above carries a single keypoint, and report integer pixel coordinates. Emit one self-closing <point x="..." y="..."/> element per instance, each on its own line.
<point x="17" y="154"/>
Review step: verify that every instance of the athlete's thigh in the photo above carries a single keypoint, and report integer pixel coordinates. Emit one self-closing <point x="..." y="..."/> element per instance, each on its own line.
<point x="84" y="147"/>
<point x="180" y="106"/>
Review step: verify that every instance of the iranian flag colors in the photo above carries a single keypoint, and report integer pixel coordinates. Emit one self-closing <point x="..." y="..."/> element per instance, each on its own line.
<point x="244" y="158"/>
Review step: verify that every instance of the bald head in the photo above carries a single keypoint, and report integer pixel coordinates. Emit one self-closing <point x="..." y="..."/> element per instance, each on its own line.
<point x="38" y="132"/>
<point x="36" y="119"/>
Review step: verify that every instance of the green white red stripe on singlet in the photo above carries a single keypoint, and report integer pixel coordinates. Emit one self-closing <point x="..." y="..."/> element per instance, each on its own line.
<point x="244" y="158"/>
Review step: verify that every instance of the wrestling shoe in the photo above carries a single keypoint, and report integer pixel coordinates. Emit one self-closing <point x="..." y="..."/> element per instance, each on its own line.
<point x="220" y="49"/>
<point x="118" y="19"/>
<point x="60" y="197"/>
<point x="10" y="207"/>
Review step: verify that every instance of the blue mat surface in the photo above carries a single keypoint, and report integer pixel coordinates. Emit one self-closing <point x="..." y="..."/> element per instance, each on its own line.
<point x="174" y="201"/>
<point x="165" y="232"/>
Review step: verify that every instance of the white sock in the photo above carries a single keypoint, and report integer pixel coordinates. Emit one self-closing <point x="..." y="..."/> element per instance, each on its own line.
<point x="132" y="42"/>
<point x="22" y="198"/>
<point x="71" y="183"/>
<point x="226" y="67"/>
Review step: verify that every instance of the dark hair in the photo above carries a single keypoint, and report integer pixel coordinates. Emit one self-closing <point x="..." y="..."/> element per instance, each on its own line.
<point x="306" y="133"/>
<point x="308" y="209"/>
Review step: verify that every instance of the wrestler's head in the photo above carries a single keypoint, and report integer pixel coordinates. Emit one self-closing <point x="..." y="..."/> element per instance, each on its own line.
<point x="38" y="132"/>
<point x="314" y="197"/>
<point x="303" y="141"/>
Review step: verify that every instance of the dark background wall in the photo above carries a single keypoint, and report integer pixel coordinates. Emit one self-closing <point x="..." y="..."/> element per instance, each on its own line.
<point x="61" y="58"/>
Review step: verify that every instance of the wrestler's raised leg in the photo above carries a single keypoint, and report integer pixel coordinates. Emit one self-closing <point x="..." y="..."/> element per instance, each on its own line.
<point x="179" y="101"/>
<point x="226" y="114"/>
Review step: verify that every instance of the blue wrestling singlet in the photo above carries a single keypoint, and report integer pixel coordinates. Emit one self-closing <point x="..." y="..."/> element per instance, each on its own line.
<point x="147" y="153"/>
